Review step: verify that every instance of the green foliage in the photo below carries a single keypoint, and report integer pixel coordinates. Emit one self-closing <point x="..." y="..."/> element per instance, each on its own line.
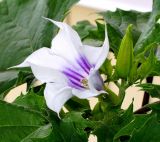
<point x="107" y="69"/>
<point x="90" y="34"/>
<point x="151" y="32"/>
<point x="73" y="127"/>
<point x="7" y="81"/>
<point x="27" y="119"/>
<point x="152" y="89"/>
<point x="22" y="25"/>
<point x="32" y="101"/>
<point x="76" y="104"/>
<point x="113" y="120"/>
<point x="17" y="122"/>
<point x="117" y="23"/>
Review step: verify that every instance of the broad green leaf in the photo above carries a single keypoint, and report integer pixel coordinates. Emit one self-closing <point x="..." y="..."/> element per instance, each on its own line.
<point x="31" y="100"/>
<point x="17" y="122"/>
<point x="113" y="121"/>
<point x="7" y="80"/>
<point x="125" y="132"/>
<point x="11" y="79"/>
<point x="42" y="134"/>
<point x="152" y="89"/>
<point x="119" y="20"/>
<point x="47" y="133"/>
<point x="125" y="55"/>
<point x="73" y="127"/>
<point x="91" y="35"/>
<point x="84" y="28"/>
<point x="148" y="132"/>
<point x="115" y="38"/>
<point x="23" y="30"/>
<point x="151" y="31"/>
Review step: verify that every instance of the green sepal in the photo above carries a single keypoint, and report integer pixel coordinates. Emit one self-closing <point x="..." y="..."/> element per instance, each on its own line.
<point x="125" y="55"/>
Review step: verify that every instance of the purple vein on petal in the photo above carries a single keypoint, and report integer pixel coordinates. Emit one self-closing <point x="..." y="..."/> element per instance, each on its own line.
<point x="72" y="75"/>
<point x="75" y="84"/>
<point x="75" y="73"/>
<point x="85" y="65"/>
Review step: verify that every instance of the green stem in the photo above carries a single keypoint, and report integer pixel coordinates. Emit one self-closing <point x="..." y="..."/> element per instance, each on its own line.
<point x="112" y="96"/>
<point x="122" y="89"/>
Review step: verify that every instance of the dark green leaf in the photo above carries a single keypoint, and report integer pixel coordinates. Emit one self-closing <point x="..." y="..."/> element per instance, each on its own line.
<point x="113" y="121"/>
<point x="76" y="104"/>
<point x="31" y="100"/>
<point x="152" y="89"/>
<point x="147" y="68"/>
<point x="120" y="19"/>
<point x="17" y="122"/>
<point x="148" y="132"/>
<point x="42" y="134"/>
<point x="127" y="130"/>
<point x="23" y="30"/>
<point x="90" y="34"/>
<point x="151" y="31"/>
<point x="73" y="127"/>
<point x="7" y="80"/>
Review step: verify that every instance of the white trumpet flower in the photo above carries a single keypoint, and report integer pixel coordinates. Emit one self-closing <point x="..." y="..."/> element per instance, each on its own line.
<point x="68" y="68"/>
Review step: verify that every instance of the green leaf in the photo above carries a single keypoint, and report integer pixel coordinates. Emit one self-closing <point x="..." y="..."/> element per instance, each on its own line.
<point x="7" y="81"/>
<point x="73" y="127"/>
<point x="32" y="101"/>
<point x="147" y="67"/>
<point x="42" y="134"/>
<point x="152" y="89"/>
<point x="115" y="38"/>
<point x="107" y="69"/>
<point x="119" y="20"/>
<point x="151" y="31"/>
<point x="148" y="132"/>
<point x="11" y="79"/>
<point x="23" y="30"/>
<point x="126" y="132"/>
<point x="17" y="122"/>
<point x="90" y="34"/>
<point x="84" y="28"/>
<point x="114" y="120"/>
<point x="125" y="55"/>
<point x="76" y="104"/>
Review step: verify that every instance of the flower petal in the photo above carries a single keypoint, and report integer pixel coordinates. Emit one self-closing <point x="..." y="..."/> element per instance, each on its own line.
<point x="45" y="58"/>
<point x="95" y="81"/>
<point x="56" y="95"/>
<point x="97" y="55"/>
<point x="83" y="94"/>
<point x="92" y="53"/>
<point x="67" y="42"/>
<point x="46" y="75"/>
<point x="46" y="66"/>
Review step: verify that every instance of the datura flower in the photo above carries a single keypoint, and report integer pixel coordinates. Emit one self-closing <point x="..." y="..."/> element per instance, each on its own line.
<point x="68" y="68"/>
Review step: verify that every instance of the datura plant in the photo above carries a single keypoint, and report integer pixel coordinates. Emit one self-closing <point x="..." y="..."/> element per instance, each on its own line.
<point x="76" y="68"/>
